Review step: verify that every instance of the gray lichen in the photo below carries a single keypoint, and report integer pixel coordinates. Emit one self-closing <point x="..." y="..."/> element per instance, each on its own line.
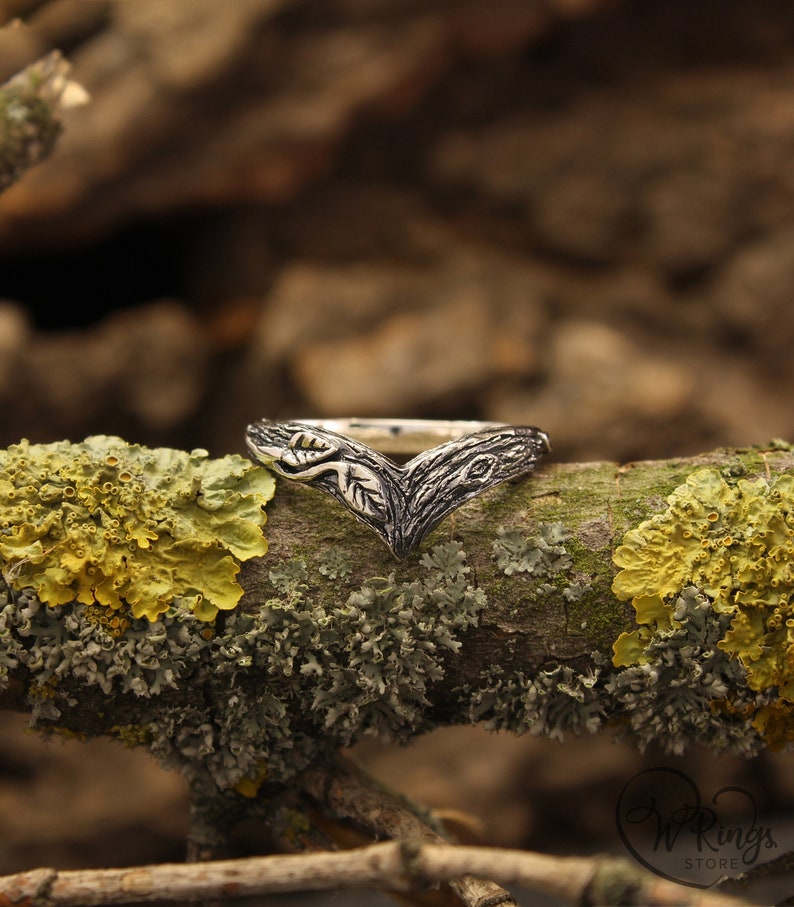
<point x="365" y="663"/>
<point x="146" y="659"/>
<point x="577" y="589"/>
<point x="334" y="564"/>
<point x="11" y="649"/>
<point x="269" y="688"/>
<point x="540" y="555"/>
<point x="686" y="690"/>
<point x="359" y="667"/>
<point x="550" y="704"/>
<point x="263" y="691"/>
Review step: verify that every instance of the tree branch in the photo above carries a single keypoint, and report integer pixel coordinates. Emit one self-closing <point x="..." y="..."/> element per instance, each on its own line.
<point x="392" y="866"/>
<point x="348" y="792"/>
<point x="30" y="114"/>
<point x="506" y="616"/>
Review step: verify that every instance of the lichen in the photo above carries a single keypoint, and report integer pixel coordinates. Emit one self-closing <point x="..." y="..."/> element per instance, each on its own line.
<point x="732" y="541"/>
<point x="126" y="531"/>
<point x="11" y="648"/>
<point x="550" y="704"/>
<point x="682" y="688"/>
<point x="543" y="554"/>
<point x="318" y="662"/>
<point x="29" y="129"/>
<point x="148" y="658"/>
<point x="334" y="564"/>
<point x="710" y="580"/>
<point x="265" y="690"/>
<point x="325" y="675"/>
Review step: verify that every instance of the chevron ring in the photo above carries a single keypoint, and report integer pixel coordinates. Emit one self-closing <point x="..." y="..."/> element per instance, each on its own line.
<point x="400" y="503"/>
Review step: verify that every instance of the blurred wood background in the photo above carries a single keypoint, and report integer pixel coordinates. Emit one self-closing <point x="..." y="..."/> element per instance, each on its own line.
<point x="571" y="213"/>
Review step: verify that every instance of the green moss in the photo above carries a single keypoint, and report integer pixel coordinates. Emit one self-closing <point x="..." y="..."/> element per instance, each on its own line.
<point x="731" y="539"/>
<point x="127" y="531"/>
<point x="589" y="616"/>
<point x="589" y="608"/>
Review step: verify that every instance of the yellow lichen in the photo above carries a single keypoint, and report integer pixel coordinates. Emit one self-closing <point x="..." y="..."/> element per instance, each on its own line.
<point x="773" y="722"/>
<point x="735" y="543"/>
<point x="123" y="528"/>
<point x="629" y="647"/>
<point x="248" y="785"/>
<point x="42" y="690"/>
<point x="114" y="622"/>
<point x="131" y="735"/>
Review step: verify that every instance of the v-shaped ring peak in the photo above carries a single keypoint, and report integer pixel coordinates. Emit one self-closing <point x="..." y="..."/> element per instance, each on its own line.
<point x="401" y="504"/>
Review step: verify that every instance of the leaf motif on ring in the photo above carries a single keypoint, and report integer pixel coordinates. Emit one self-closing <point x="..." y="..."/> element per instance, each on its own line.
<point x="306" y="448"/>
<point x="362" y="490"/>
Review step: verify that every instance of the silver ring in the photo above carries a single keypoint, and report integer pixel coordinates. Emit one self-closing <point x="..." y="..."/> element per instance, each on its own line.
<point x="400" y="503"/>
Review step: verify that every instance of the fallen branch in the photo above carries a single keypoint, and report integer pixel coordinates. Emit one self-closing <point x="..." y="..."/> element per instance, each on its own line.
<point x="393" y="866"/>
<point x="349" y="792"/>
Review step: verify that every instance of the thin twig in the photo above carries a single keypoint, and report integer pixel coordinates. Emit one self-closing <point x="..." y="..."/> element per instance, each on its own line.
<point x="389" y="865"/>
<point x="779" y="866"/>
<point x="349" y="792"/>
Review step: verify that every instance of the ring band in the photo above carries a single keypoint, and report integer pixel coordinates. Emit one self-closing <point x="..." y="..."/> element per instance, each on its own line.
<point x="401" y="437"/>
<point x="401" y="504"/>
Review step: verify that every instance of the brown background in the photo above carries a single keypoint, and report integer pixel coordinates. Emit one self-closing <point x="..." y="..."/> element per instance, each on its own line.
<point x="573" y="213"/>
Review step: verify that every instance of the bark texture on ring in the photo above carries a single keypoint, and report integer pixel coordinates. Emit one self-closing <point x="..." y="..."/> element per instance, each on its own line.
<point x="401" y="504"/>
